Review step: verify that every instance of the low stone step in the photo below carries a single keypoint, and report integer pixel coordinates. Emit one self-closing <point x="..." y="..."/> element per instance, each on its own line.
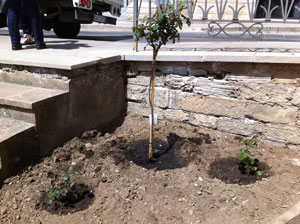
<point x="19" y="101"/>
<point x="10" y="127"/>
<point x="26" y="97"/>
<point x="18" y="145"/>
<point x="50" y="81"/>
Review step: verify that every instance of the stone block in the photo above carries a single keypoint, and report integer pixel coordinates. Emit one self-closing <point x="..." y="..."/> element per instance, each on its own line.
<point x="217" y="88"/>
<point x="161" y="97"/>
<point x="296" y="97"/>
<point x="144" y="66"/>
<point x="203" y="120"/>
<point x="248" y="79"/>
<point x="136" y="93"/>
<point x="274" y="114"/>
<point x="271" y="93"/>
<point x="244" y="127"/>
<point x="176" y="115"/>
<point x="196" y="71"/>
<point x="213" y="106"/>
<point x="143" y="110"/>
<point x="282" y="134"/>
<point x="181" y="70"/>
<point x="175" y="98"/>
<point x="179" y="82"/>
<point x="143" y="79"/>
<point x="166" y="69"/>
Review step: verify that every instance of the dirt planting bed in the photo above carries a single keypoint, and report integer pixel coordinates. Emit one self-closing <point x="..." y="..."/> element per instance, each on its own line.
<point x="194" y="179"/>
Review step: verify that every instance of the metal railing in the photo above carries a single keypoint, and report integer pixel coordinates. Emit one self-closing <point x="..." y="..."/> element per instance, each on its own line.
<point x="255" y="14"/>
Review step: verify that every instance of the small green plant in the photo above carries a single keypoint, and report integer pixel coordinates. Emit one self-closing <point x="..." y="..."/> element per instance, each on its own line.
<point x="247" y="164"/>
<point x="62" y="189"/>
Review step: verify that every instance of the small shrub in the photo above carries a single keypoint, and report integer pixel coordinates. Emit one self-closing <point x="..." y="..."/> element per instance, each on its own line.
<point x="62" y="189"/>
<point x="247" y="164"/>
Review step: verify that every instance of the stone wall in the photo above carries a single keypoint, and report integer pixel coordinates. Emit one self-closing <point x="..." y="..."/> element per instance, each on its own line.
<point x="240" y="98"/>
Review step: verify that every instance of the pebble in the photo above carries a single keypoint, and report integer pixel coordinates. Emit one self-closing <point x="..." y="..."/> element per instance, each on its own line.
<point x="231" y="194"/>
<point x="125" y="193"/>
<point x="107" y="135"/>
<point x="140" y="197"/>
<point x="3" y="210"/>
<point x="64" y="78"/>
<point x="199" y="192"/>
<point x="195" y="185"/>
<point x="284" y="206"/>
<point x="18" y="217"/>
<point x="200" y="179"/>
<point x="296" y="162"/>
<point x="104" y="179"/>
<point x="88" y="145"/>
<point x="208" y="191"/>
<point x="181" y="199"/>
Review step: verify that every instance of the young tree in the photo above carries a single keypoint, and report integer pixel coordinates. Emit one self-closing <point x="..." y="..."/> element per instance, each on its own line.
<point x="158" y="31"/>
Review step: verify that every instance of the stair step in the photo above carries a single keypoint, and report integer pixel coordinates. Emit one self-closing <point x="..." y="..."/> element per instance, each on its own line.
<point x="52" y="81"/>
<point x="26" y="97"/>
<point x="11" y="127"/>
<point x="19" y="146"/>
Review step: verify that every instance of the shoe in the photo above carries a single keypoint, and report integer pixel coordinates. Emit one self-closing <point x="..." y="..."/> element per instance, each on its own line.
<point x="16" y="47"/>
<point x="27" y="39"/>
<point x="41" y="46"/>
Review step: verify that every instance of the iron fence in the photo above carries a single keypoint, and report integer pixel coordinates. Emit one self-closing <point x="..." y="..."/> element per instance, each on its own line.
<point x="248" y="15"/>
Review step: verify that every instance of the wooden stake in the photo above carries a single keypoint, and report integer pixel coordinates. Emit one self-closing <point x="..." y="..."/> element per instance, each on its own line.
<point x="152" y="105"/>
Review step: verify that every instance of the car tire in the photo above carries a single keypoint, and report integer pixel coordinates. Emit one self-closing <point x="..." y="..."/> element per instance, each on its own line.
<point x="66" y="30"/>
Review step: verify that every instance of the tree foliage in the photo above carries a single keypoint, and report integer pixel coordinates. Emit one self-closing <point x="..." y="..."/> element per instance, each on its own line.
<point x="163" y="27"/>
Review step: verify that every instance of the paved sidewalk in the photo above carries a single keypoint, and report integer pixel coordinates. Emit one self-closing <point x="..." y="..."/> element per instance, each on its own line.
<point x="106" y="46"/>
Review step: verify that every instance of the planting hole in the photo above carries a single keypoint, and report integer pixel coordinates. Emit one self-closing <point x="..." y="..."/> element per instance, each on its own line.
<point x="81" y="199"/>
<point x="227" y="170"/>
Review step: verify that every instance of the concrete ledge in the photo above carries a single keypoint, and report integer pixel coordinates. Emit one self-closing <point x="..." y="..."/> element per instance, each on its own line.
<point x="62" y="63"/>
<point x="208" y="56"/>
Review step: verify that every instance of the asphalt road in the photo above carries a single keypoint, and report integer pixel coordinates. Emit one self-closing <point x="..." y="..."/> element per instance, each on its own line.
<point x="126" y="36"/>
<point x="115" y="40"/>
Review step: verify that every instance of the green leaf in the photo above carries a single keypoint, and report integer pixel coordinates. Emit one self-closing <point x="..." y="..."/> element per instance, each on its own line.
<point x="259" y="173"/>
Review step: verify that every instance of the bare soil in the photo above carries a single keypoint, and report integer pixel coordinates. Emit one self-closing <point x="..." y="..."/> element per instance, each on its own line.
<point x="193" y="179"/>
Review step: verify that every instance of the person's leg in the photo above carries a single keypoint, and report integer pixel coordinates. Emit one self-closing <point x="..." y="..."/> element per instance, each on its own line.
<point x="33" y="10"/>
<point x="25" y="26"/>
<point x="13" y="14"/>
<point x="24" y="22"/>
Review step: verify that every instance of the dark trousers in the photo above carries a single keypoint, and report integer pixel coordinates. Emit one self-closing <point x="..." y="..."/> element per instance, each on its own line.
<point x="31" y="8"/>
<point x="24" y="21"/>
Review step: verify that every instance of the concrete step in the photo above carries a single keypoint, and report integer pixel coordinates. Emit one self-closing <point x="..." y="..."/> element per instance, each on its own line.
<point x="18" y="145"/>
<point x="19" y="101"/>
<point x="50" y="81"/>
